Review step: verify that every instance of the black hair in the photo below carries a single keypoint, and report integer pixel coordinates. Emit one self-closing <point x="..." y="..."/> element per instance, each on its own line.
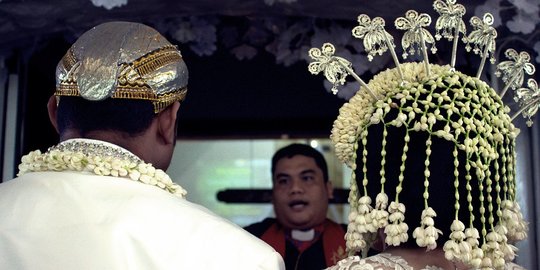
<point x="304" y="150"/>
<point x="125" y="115"/>
<point x="441" y="180"/>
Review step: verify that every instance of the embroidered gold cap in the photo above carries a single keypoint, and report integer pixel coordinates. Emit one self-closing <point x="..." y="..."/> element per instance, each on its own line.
<point x="123" y="60"/>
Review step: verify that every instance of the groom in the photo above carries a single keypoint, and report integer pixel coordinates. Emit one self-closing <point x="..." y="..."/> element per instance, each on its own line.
<point x="100" y="199"/>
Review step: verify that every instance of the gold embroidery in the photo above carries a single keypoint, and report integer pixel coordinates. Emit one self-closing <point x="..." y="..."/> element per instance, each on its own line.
<point x="130" y="81"/>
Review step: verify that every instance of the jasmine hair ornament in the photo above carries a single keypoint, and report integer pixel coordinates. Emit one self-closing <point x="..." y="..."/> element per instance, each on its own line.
<point x="432" y="149"/>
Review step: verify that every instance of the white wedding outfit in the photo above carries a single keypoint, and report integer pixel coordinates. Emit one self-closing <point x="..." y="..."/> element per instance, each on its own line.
<point x="385" y="261"/>
<point x="79" y="220"/>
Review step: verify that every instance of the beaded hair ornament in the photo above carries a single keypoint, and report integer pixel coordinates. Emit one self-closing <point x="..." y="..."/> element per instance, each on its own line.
<point x="123" y="60"/>
<point x="438" y="102"/>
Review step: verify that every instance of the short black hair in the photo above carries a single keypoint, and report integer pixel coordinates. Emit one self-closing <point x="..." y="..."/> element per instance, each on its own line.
<point x="125" y="115"/>
<point x="304" y="150"/>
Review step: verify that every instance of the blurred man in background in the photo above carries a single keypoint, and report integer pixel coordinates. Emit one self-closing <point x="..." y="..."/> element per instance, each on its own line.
<point x="301" y="191"/>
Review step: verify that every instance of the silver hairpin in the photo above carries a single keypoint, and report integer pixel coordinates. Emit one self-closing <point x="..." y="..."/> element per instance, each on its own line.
<point x="450" y="23"/>
<point x="483" y="39"/>
<point x="416" y="35"/>
<point x="335" y="68"/>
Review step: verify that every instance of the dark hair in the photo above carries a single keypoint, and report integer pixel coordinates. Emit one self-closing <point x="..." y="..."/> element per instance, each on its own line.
<point x="441" y="179"/>
<point x="304" y="150"/>
<point x="129" y="116"/>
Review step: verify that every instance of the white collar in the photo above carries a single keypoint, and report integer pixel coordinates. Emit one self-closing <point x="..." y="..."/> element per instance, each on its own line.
<point x="303" y="235"/>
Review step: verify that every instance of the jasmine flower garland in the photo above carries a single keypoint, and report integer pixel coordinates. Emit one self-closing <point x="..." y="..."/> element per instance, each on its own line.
<point x="428" y="103"/>
<point x="454" y="103"/>
<point x="99" y="158"/>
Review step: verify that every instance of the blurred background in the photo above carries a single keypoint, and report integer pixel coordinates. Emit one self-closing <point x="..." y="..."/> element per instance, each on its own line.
<point x="250" y="92"/>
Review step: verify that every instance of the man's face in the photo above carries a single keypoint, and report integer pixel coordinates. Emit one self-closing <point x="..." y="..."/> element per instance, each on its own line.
<point x="300" y="195"/>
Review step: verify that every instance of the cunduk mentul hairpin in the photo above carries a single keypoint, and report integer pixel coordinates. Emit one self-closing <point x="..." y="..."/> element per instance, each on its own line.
<point x="443" y="103"/>
<point x="449" y="25"/>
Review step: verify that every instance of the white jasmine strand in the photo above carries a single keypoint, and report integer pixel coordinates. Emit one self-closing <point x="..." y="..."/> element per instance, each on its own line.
<point x="101" y="159"/>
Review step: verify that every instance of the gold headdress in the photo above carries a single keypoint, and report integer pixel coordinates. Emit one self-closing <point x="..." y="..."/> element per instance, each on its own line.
<point x="442" y="106"/>
<point x="123" y="60"/>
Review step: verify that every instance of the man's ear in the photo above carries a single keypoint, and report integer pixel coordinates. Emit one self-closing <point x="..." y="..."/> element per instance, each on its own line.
<point x="167" y="123"/>
<point x="52" y="108"/>
<point x="330" y="189"/>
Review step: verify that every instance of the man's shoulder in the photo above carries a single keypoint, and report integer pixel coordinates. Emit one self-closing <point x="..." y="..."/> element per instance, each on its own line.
<point x="260" y="227"/>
